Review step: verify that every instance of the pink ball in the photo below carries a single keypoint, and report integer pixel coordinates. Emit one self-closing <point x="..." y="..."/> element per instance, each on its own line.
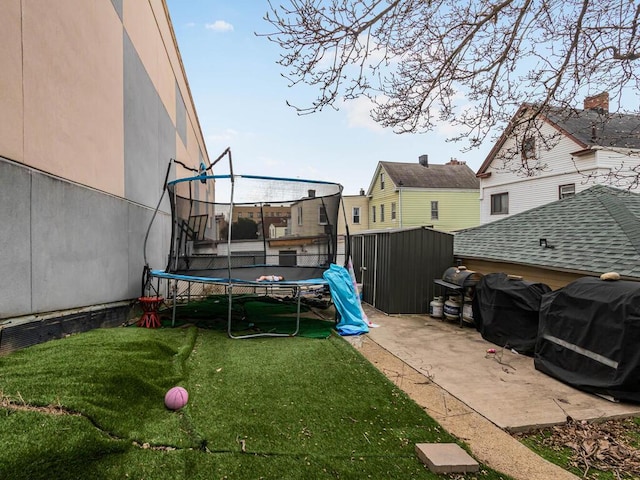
<point x="176" y="398"/>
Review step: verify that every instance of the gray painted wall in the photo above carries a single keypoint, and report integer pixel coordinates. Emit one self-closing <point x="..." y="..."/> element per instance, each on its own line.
<point x="149" y="134"/>
<point x="181" y="116"/>
<point x="67" y="246"/>
<point x="117" y="4"/>
<point x="15" y="240"/>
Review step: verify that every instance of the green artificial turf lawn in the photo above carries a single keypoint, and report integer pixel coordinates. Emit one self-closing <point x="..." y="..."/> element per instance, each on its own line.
<point x="272" y="408"/>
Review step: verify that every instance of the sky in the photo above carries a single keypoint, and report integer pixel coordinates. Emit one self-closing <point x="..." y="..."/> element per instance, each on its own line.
<point x="241" y="98"/>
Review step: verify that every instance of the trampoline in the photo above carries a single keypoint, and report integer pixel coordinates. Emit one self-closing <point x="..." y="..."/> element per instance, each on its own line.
<point x="250" y="234"/>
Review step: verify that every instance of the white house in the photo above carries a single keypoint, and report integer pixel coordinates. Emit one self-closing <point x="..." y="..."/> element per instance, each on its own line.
<point x="558" y="155"/>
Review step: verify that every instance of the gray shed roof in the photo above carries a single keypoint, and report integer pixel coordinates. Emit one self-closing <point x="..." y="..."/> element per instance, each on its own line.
<point x="433" y="176"/>
<point x="595" y="231"/>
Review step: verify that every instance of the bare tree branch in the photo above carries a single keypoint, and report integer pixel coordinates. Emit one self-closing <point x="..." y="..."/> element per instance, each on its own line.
<point x="469" y="63"/>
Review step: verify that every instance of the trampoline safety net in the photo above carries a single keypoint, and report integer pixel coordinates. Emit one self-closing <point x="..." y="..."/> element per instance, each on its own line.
<point x="239" y="228"/>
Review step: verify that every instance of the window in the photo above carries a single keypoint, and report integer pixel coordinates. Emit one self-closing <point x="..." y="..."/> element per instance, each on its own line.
<point x="500" y="204"/>
<point x="382" y="212"/>
<point x="565" y="191"/>
<point x="382" y="181"/>
<point x="355" y="215"/>
<point x="322" y="215"/>
<point x="250" y="214"/>
<point x="239" y="214"/>
<point x="393" y="210"/>
<point x="528" y="149"/>
<point x="299" y="215"/>
<point x="434" y="210"/>
<point x="373" y="214"/>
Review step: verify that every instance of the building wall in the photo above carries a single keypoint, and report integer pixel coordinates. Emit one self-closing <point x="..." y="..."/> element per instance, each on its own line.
<point x="553" y="278"/>
<point x="382" y="197"/>
<point x="347" y="205"/>
<point x="457" y="209"/>
<point x="561" y="168"/>
<point x="94" y="105"/>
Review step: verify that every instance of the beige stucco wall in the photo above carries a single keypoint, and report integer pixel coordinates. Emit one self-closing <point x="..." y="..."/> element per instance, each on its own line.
<point x="142" y="27"/>
<point x="64" y="116"/>
<point x="12" y="117"/>
<point x="61" y="85"/>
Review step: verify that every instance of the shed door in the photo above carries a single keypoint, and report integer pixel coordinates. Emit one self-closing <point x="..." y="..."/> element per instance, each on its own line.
<point x="368" y="269"/>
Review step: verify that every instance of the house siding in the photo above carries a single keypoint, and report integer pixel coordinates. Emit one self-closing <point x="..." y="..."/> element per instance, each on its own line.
<point x="382" y="196"/>
<point x="346" y="210"/>
<point x="457" y="208"/>
<point x="560" y="168"/>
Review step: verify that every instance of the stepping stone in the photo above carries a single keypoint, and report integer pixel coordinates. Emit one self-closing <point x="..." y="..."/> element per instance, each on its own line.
<point x="446" y="458"/>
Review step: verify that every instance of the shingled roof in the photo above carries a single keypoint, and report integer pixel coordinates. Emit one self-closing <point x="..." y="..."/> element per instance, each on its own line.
<point x="594" y="231"/>
<point x="588" y="128"/>
<point x="433" y="176"/>
<point x="592" y="127"/>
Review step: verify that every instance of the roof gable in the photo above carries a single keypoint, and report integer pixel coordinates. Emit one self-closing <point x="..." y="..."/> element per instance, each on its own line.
<point x="595" y="231"/>
<point x="585" y="127"/>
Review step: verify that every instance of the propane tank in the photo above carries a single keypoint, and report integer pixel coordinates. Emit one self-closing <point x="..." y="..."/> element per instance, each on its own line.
<point x="467" y="310"/>
<point x="452" y="308"/>
<point x="435" y="307"/>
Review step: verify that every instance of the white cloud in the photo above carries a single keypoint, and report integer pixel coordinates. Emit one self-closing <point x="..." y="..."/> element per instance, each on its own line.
<point x="359" y="114"/>
<point x="190" y="24"/>
<point x="220" y="26"/>
<point x="226" y="135"/>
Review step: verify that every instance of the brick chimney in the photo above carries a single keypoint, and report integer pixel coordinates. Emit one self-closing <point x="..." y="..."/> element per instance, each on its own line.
<point x="597" y="102"/>
<point x="455" y="161"/>
<point x="423" y="160"/>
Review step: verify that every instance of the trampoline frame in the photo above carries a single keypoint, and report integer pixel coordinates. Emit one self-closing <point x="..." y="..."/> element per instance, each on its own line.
<point x="229" y="282"/>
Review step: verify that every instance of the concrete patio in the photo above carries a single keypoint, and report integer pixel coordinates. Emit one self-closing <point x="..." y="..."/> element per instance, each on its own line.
<point x="504" y="387"/>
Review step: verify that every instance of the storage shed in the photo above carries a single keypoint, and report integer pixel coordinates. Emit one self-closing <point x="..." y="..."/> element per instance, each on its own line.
<point x="397" y="267"/>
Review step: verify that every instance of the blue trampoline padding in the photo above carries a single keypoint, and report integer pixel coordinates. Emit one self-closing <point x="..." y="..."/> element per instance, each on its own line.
<point x="294" y="276"/>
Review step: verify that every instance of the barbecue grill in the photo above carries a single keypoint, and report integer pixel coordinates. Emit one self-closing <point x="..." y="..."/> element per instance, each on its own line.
<point x="461" y="281"/>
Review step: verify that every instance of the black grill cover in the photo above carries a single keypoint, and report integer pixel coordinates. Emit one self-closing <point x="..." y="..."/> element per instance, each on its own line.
<point x="589" y="337"/>
<point x="506" y="311"/>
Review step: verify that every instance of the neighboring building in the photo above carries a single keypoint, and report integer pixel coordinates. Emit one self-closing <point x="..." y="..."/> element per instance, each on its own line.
<point x="593" y="232"/>
<point x="95" y="103"/>
<point x="564" y="153"/>
<point x="310" y="217"/>
<point x="274" y="227"/>
<point x="444" y="197"/>
<point x="255" y="212"/>
<point x="355" y="208"/>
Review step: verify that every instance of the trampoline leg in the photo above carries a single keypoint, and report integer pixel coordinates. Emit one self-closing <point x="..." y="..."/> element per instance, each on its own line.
<point x="297" y="314"/>
<point x="229" y="334"/>
<point x="175" y="303"/>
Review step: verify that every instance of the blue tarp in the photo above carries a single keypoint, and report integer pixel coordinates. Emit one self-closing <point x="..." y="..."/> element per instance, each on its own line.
<point x="345" y="297"/>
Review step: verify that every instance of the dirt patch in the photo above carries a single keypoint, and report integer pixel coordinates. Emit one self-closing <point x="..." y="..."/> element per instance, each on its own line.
<point x="20" y="405"/>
